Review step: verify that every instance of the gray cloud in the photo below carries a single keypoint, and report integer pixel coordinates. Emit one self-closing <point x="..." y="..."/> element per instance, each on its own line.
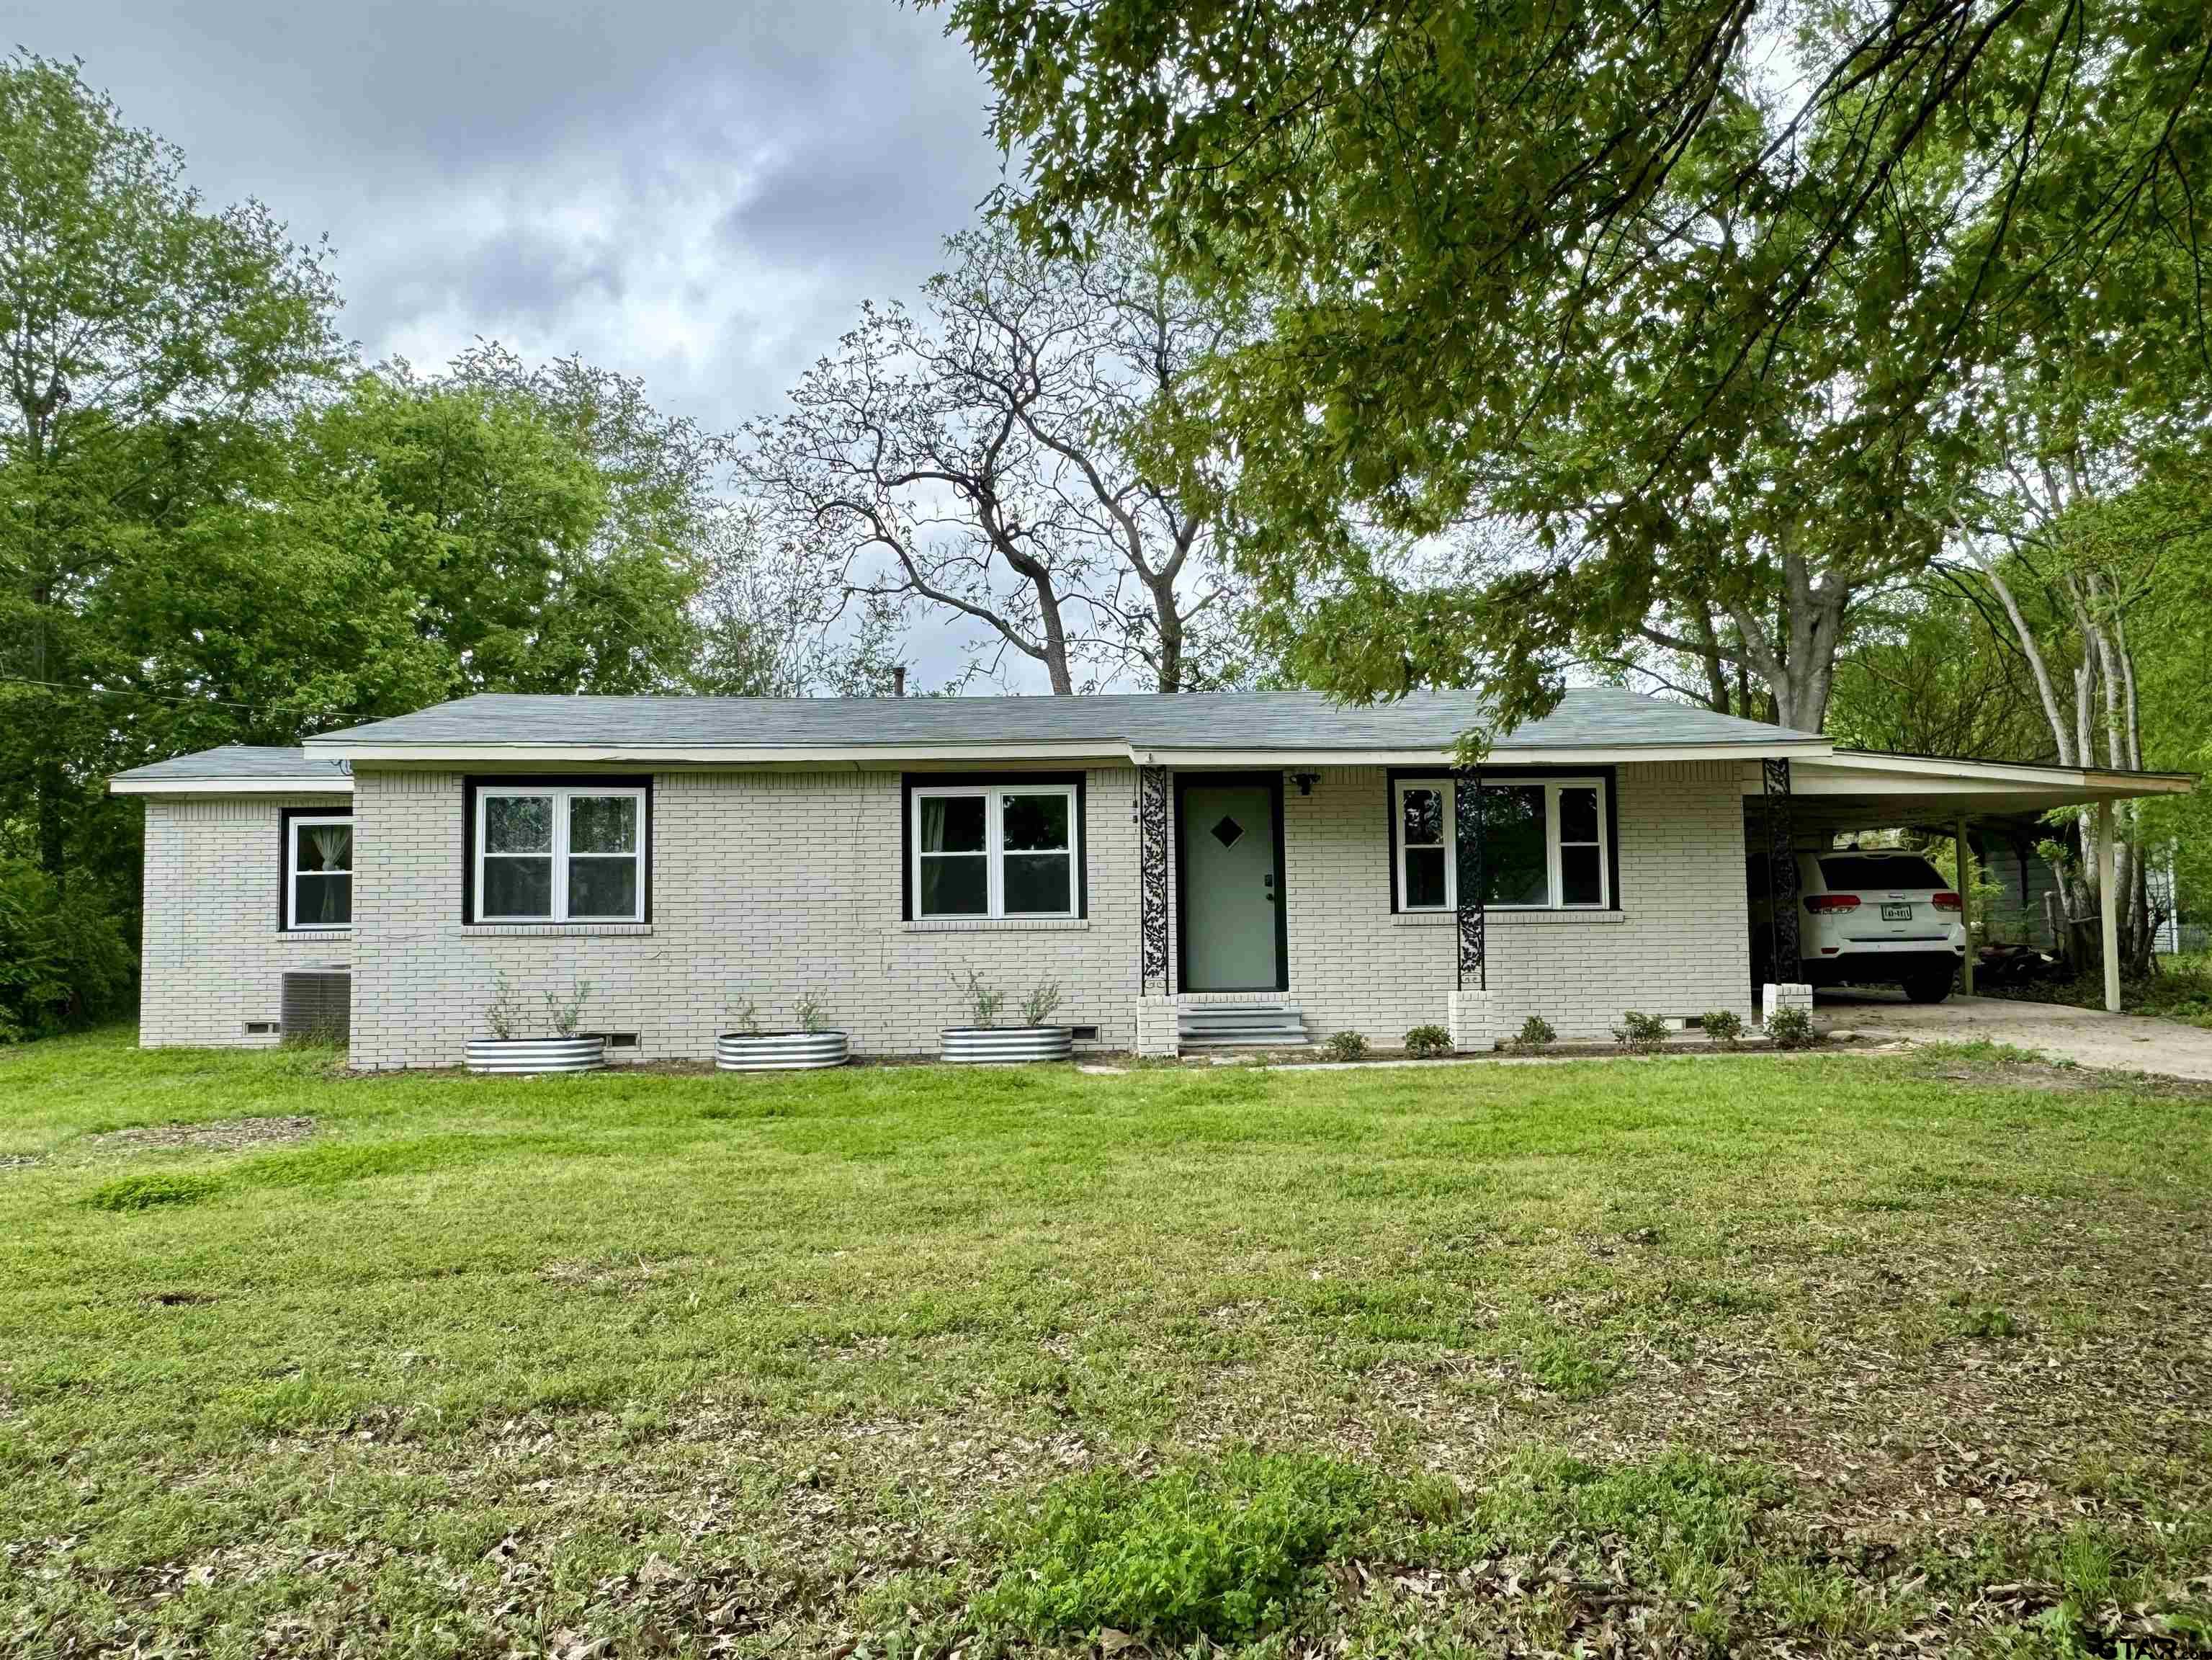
<point x="697" y="192"/>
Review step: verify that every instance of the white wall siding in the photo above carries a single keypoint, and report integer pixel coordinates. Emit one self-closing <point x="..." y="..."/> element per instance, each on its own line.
<point x="212" y="957"/>
<point x="764" y="885"/>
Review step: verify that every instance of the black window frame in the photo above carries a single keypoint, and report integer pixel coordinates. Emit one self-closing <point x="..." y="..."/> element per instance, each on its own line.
<point x="474" y="782"/>
<point x="910" y="782"/>
<point x="285" y="816"/>
<point x="1608" y="775"/>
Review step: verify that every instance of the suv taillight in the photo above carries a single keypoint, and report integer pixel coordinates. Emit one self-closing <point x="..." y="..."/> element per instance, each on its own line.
<point x="1820" y="902"/>
<point x="1946" y="902"/>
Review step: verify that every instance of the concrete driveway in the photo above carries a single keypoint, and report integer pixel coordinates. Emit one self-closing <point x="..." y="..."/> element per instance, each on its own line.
<point x="2089" y="1037"/>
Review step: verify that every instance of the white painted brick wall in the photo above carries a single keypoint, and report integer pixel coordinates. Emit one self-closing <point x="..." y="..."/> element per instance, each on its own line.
<point x="764" y="885"/>
<point x="768" y="885"/>
<point x="212" y="957"/>
<point x="1679" y="946"/>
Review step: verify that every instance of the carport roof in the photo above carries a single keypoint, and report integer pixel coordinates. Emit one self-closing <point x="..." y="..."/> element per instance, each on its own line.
<point x="1868" y="789"/>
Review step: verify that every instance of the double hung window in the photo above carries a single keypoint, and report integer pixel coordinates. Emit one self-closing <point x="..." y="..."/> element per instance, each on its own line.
<point x="987" y="850"/>
<point x="1544" y="845"/>
<point x="560" y="853"/>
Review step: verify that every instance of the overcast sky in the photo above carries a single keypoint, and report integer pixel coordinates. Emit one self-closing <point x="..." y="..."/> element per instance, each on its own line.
<point x="700" y="192"/>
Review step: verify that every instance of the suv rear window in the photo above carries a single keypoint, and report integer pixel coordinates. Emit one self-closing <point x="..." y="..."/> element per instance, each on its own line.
<point x="1851" y="870"/>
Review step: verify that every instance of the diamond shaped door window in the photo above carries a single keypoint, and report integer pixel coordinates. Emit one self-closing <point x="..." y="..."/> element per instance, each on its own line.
<point x="1228" y="832"/>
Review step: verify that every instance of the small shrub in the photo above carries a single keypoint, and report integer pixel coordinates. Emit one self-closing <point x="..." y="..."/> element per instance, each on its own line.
<point x="1723" y="1026"/>
<point x="1345" y="1045"/>
<point x="1640" y="1033"/>
<point x="1535" y="1034"/>
<point x="745" y="1017"/>
<point x="984" y="1002"/>
<point x="1042" y="1004"/>
<point x="1791" y="1029"/>
<point x="811" y="1015"/>
<point x="131" y="1193"/>
<point x="1223" y="1550"/>
<point x="1425" y="1041"/>
<point x="563" y="1013"/>
<point x="503" y="1014"/>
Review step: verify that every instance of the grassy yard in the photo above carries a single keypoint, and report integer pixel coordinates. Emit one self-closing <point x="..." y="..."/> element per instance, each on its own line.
<point x="1790" y="1354"/>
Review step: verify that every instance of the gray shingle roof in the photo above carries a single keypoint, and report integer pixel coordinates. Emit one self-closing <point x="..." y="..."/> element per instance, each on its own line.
<point x="1238" y="721"/>
<point x="237" y="764"/>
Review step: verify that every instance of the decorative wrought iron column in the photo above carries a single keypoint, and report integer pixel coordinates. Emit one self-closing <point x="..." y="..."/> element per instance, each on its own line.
<point x="1473" y="941"/>
<point x="1152" y="818"/>
<point x="1781" y="872"/>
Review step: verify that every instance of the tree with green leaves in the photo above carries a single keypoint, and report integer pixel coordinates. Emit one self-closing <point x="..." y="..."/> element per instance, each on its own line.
<point x="537" y="532"/>
<point x="1468" y="222"/>
<point x="146" y="343"/>
<point x="214" y="528"/>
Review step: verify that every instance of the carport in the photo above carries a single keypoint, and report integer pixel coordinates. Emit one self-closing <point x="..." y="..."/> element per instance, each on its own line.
<point x="1791" y="803"/>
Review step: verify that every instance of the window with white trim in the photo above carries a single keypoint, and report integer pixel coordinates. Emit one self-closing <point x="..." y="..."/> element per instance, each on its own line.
<point x="987" y="850"/>
<point x="318" y="871"/>
<point x="560" y="853"/>
<point x="1544" y="845"/>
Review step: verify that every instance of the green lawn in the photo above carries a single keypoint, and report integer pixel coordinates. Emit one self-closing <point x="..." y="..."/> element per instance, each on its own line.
<point x="1778" y="1352"/>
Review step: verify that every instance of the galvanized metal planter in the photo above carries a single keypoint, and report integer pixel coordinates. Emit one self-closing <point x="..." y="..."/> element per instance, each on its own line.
<point x="779" y="1051"/>
<point x="1005" y="1045"/>
<point x="533" y="1055"/>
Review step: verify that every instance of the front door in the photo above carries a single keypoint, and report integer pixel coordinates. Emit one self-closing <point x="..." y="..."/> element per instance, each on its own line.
<point x="1232" y="891"/>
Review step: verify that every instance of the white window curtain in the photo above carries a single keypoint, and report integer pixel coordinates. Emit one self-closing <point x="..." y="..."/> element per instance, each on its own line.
<point x="318" y="874"/>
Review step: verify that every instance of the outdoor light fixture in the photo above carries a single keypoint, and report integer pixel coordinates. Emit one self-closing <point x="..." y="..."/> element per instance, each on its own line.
<point x="1305" y="781"/>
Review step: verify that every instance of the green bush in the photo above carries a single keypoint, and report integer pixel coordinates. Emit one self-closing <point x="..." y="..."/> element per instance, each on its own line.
<point x="1535" y="1034"/>
<point x="1222" y="1550"/>
<point x="1791" y="1029"/>
<point x="1640" y="1033"/>
<point x="1345" y="1045"/>
<point x="62" y="961"/>
<point x="1428" y="1040"/>
<point x="1723" y="1026"/>
<point x="129" y="1193"/>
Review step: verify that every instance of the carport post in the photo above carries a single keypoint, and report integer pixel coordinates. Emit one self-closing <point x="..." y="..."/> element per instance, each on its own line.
<point x="2108" y="907"/>
<point x="1966" y="907"/>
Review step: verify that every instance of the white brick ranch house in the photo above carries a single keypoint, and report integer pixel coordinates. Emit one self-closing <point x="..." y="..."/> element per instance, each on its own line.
<point x="1260" y="864"/>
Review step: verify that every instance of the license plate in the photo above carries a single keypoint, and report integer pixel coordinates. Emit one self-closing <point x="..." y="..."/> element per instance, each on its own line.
<point x="1897" y="913"/>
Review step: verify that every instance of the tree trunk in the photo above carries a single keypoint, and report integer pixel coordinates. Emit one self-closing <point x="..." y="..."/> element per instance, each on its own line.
<point x="1055" y="635"/>
<point x="1169" y="677"/>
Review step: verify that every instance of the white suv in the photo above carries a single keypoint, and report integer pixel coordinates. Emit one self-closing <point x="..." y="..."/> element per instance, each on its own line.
<point x="1872" y="916"/>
